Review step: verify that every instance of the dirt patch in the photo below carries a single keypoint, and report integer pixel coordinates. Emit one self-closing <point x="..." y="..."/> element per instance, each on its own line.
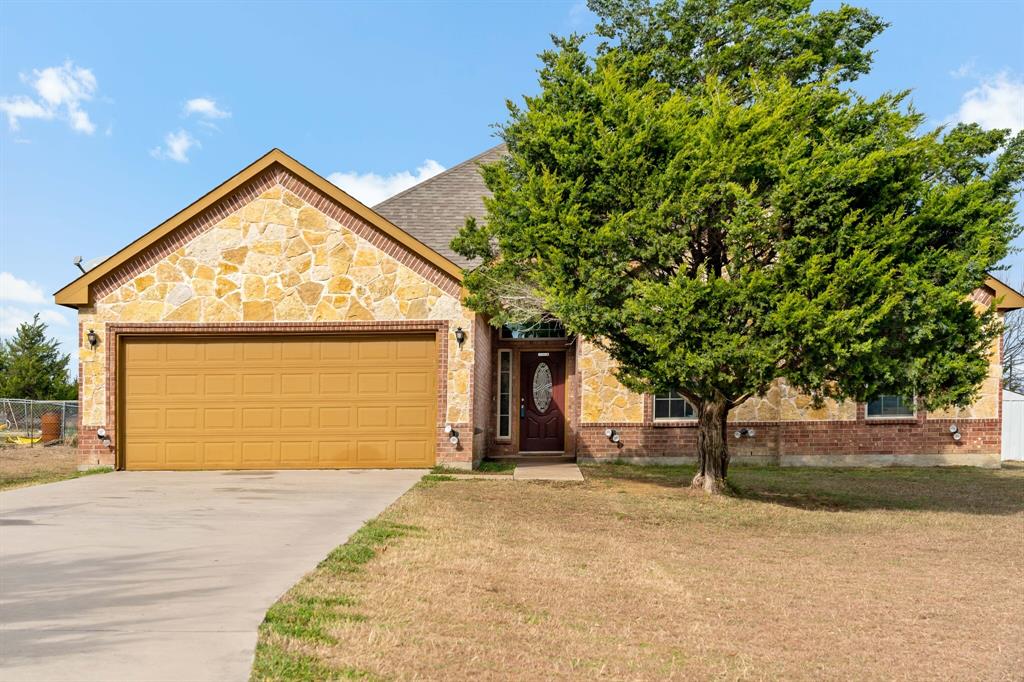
<point x="810" y="574"/>
<point x="28" y="465"/>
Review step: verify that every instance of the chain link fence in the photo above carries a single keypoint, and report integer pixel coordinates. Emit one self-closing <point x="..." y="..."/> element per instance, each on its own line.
<point x="38" y="422"/>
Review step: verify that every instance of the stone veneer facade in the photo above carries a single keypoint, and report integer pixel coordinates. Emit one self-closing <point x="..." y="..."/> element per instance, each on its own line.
<point x="788" y="429"/>
<point x="278" y="255"/>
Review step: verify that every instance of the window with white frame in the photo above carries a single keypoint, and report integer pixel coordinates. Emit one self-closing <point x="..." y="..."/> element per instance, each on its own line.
<point x="672" y="405"/>
<point x="889" y="406"/>
<point x="504" y="394"/>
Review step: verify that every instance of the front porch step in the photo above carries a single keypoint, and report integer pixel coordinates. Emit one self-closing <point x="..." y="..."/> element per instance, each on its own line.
<point x="530" y="459"/>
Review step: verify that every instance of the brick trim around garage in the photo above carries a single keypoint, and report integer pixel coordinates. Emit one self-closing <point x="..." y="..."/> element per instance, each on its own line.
<point x="92" y="451"/>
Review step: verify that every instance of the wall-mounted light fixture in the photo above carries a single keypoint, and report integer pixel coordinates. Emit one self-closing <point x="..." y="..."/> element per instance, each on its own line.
<point x="101" y="433"/>
<point x="955" y="432"/>
<point x="453" y="435"/>
<point x="744" y="433"/>
<point x="93" y="338"/>
<point x="612" y="435"/>
<point x="460" y="336"/>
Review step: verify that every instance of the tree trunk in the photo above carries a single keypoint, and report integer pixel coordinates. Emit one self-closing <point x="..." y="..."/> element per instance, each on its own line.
<point x="712" y="446"/>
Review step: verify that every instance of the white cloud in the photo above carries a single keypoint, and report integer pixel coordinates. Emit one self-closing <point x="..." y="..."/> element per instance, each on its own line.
<point x="997" y="102"/>
<point x="205" y="108"/>
<point x="371" y="189"/>
<point x="60" y="93"/>
<point x="20" y="291"/>
<point x="176" y="146"/>
<point x="20" y="300"/>
<point x="23" y="107"/>
<point x="964" y="70"/>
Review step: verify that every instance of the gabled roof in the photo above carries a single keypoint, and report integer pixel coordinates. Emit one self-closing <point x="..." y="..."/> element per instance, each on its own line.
<point x="1007" y="298"/>
<point x="77" y="292"/>
<point x="434" y="210"/>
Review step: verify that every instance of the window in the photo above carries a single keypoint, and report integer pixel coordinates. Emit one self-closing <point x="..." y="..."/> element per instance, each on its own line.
<point x="504" y="394"/>
<point x="884" y="406"/>
<point x="672" y="405"/>
<point x="539" y="330"/>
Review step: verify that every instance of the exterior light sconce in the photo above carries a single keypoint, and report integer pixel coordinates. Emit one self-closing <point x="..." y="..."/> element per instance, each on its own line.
<point x="744" y="433"/>
<point x="101" y="433"/>
<point x="460" y="336"/>
<point x="612" y="435"/>
<point x="955" y="432"/>
<point x="93" y="338"/>
<point x="453" y="435"/>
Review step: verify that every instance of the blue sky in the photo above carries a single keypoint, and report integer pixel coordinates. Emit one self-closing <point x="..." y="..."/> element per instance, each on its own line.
<point x="115" y="116"/>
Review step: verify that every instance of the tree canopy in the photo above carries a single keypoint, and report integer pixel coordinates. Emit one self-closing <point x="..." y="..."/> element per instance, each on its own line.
<point x="32" y="366"/>
<point x="708" y="198"/>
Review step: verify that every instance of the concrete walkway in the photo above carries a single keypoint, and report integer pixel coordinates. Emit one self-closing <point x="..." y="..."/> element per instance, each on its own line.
<point x="165" y="576"/>
<point x="547" y="471"/>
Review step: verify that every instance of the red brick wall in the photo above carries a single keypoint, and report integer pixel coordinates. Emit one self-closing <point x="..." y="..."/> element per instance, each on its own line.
<point x="482" y="386"/>
<point x="649" y="440"/>
<point x="93" y="452"/>
<point x="917" y="436"/>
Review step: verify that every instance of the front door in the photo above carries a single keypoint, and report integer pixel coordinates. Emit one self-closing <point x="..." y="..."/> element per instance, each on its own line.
<point x="542" y="401"/>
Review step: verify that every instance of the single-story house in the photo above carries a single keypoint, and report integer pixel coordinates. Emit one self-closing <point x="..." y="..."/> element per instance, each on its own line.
<point x="277" y="322"/>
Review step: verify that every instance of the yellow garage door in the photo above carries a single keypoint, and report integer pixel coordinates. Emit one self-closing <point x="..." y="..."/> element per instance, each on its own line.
<point x="278" y="403"/>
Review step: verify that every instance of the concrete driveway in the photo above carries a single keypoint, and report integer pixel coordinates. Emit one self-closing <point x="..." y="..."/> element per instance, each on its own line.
<point x="165" y="576"/>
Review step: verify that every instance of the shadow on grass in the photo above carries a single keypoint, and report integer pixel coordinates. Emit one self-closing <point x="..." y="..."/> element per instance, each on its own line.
<point x="944" y="489"/>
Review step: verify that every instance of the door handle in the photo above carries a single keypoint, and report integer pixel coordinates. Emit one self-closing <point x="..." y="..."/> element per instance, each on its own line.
<point x="522" y="409"/>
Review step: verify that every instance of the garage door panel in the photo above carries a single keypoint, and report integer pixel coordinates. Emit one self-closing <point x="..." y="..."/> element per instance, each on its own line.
<point x="341" y="350"/>
<point x="144" y="418"/>
<point x="183" y="453"/>
<point x="338" y="418"/>
<point x="299" y="452"/>
<point x="297" y="384"/>
<point x="407" y="383"/>
<point x="146" y="454"/>
<point x="411" y="450"/>
<point x="334" y="453"/>
<point x="373" y="351"/>
<point x="218" y="454"/>
<point x="220" y="384"/>
<point x="144" y="352"/>
<point x="258" y="385"/>
<point x="268" y="402"/>
<point x="415" y="416"/>
<point x="142" y="385"/>
<point x="259" y="417"/>
<point x="181" y="384"/>
<point x="259" y="454"/>
<point x="335" y="382"/>
<point x="374" y="382"/>
<point x="372" y="451"/>
<point x="180" y="418"/>
<point x="182" y="352"/>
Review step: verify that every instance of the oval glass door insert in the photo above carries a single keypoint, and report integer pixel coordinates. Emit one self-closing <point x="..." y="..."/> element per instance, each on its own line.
<point x="542" y="387"/>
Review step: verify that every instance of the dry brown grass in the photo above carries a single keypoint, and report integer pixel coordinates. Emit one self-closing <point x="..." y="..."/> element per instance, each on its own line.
<point x="29" y="465"/>
<point x="808" y="574"/>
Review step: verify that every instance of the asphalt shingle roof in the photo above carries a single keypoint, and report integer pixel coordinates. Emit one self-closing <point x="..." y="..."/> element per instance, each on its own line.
<point x="434" y="210"/>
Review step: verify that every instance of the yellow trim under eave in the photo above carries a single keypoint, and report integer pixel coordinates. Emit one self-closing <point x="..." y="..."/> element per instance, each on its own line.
<point x="77" y="292"/>
<point x="1007" y="298"/>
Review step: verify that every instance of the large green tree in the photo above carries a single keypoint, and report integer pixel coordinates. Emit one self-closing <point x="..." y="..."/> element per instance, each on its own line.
<point x="32" y="366"/>
<point x="708" y="198"/>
